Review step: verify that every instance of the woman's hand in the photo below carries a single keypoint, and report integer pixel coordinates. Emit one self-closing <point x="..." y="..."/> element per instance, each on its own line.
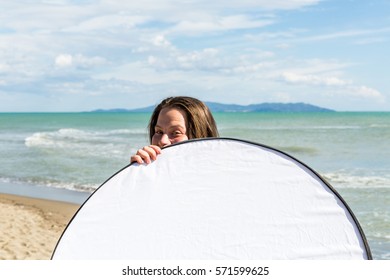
<point x="146" y="155"/>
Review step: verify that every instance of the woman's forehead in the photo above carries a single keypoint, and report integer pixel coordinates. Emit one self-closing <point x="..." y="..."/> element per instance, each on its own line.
<point x="171" y="117"/>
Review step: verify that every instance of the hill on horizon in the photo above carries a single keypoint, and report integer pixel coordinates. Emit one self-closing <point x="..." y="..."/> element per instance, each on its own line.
<point x="221" y="107"/>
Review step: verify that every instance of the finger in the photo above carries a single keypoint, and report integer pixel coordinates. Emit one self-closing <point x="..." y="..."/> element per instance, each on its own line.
<point x="151" y="151"/>
<point x="144" y="155"/>
<point x="156" y="148"/>
<point x="136" y="158"/>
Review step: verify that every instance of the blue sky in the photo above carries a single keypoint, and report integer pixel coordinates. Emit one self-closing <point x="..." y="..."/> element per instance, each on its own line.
<point x="68" y="55"/>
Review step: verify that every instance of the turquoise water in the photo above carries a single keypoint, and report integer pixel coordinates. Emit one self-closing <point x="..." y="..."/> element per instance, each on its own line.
<point x="79" y="151"/>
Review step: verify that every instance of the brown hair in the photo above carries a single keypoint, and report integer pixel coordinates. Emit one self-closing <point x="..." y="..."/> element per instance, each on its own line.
<point x="200" y="121"/>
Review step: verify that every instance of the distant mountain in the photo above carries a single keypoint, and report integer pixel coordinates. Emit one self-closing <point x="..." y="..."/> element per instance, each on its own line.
<point x="220" y="107"/>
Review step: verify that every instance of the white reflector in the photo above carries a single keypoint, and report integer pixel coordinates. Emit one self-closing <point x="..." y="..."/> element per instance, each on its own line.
<point x="215" y="198"/>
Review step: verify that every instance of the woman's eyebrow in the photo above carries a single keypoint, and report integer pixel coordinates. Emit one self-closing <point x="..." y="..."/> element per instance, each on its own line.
<point x="170" y="127"/>
<point x="174" y="127"/>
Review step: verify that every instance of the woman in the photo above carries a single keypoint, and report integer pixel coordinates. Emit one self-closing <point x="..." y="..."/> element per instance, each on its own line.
<point x="174" y="120"/>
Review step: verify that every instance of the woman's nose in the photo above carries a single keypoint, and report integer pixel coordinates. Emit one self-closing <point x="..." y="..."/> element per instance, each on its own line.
<point x="164" y="141"/>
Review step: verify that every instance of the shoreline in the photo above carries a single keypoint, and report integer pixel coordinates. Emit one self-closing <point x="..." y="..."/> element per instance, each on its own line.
<point x="31" y="227"/>
<point x="43" y="192"/>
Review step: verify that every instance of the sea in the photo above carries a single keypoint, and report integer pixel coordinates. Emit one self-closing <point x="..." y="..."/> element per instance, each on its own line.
<point x="66" y="156"/>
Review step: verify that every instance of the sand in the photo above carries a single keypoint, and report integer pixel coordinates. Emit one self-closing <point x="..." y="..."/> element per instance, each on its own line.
<point x="30" y="227"/>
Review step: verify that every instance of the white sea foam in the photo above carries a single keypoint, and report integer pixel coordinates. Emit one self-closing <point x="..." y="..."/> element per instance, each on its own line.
<point x="57" y="138"/>
<point x="80" y="187"/>
<point x="335" y="127"/>
<point x="68" y="186"/>
<point x="295" y="127"/>
<point x="344" y="180"/>
<point x="299" y="150"/>
<point x="379" y="125"/>
<point x="5" y="180"/>
<point x="71" y="138"/>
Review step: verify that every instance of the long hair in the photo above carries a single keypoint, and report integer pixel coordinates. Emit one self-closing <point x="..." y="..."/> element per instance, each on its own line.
<point x="200" y="121"/>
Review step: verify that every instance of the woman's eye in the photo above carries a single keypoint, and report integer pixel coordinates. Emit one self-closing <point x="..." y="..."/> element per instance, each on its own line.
<point x="176" y="133"/>
<point x="158" y="132"/>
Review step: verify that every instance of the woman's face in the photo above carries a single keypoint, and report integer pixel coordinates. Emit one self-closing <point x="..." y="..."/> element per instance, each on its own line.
<point x="170" y="127"/>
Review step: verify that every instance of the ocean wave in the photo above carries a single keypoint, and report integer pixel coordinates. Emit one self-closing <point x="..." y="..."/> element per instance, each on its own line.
<point x="298" y="150"/>
<point x="259" y="127"/>
<point x="308" y="127"/>
<point x="123" y="131"/>
<point x="336" y="127"/>
<point x="344" y="180"/>
<point x="71" y="138"/>
<point x="67" y="185"/>
<point x="72" y="186"/>
<point x="379" y="125"/>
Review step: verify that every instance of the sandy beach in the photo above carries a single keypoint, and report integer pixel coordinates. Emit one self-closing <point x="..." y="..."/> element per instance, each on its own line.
<point x="31" y="227"/>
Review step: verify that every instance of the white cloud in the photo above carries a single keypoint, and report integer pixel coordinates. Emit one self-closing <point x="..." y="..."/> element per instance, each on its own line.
<point x="54" y="16"/>
<point x="197" y="58"/>
<point x="214" y="59"/>
<point x="64" y="60"/>
<point x="88" y="62"/>
<point x="108" y="22"/>
<point x="4" y="67"/>
<point x="233" y="48"/>
<point x="205" y="59"/>
<point x="343" y="87"/>
<point x="358" y="33"/>
<point x="368" y="92"/>
<point x="111" y="15"/>
<point x="248" y="68"/>
<point x="225" y="23"/>
<point x="296" y="78"/>
<point x="68" y="60"/>
<point x="35" y="17"/>
<point x="188" y="5"/>
<point x="161" y="41"/>
<point x="371" y="40"/>
<point x="152" y="60"/>
<point x="272" y="5"/>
